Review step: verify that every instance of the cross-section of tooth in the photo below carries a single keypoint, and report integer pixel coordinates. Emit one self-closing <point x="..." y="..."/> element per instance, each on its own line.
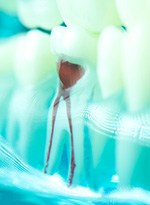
<point x="9" y="6"/>
<point x="76" y="53"/>
<point x="37" y="13"/>
<point x="133" y="152"/>
<point x="91" y="15"/>
<point x="136" y="66"/>
<point x="109" y="61"/>
<point x="35" y="71"/>
<point x="75" y="44"/>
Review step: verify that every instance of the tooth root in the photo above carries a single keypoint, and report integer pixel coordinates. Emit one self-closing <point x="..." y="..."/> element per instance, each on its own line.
<point x="43" y="14"/>
<point x="133" y="164"/>
<point x="136" y="64"/>
<point x="74" y="44"/>
<point x="58" y="138"/>
<point x="102" y="125"/>
<point x="74" y="13"/>
<point x="109" y="61"/>
<point x="76" y="176"/>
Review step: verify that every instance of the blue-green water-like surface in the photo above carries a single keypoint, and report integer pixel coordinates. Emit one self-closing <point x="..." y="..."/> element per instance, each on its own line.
<point x="23" y="185"/>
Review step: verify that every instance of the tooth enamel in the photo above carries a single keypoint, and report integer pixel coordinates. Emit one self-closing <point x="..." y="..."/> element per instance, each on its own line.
<point x="91" y="15"/>
<point x="109" y="61"/>
<point x="74" y="44"/>
<point x="132" y="157"/>
<point x="34" y="60"/>
<point x="35" y="71"/>
<point x="39" y="13"/>
<point x="10" y="6"/>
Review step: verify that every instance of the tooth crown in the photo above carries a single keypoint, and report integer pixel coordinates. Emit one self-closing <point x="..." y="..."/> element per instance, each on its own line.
<point x="93" y="15"/>
<point x="37" y="13"/>
<point x="74" y="44"/>
<point x="34" y="61"/>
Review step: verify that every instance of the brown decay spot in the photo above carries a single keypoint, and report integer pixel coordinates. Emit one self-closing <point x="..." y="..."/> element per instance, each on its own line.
<point x="69" y="74"/>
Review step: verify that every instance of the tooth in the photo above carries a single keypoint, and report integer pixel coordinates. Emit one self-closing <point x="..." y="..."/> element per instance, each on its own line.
<point x="8" y="48"/>
<point x="136" y="62"/>
<point x="35" y="71"/>
<point x="7" y="80"/>
<point x="9" y="6"/>
<point x="109" y="61"/>
<point x="132" y="156"/>
<point x="39" y="13"/>
<point x="102" y="125"/>
<point x="74" y="44"/>
<point x="92" y="17"/>
<point x="132" y="12"/>
<point x="71" y="45"/>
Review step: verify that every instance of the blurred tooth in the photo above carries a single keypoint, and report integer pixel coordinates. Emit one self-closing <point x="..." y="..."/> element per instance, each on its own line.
<point x="34" y="60"/>
<point x="132" y="12"/>
<point x="102" y="125"/>
<point x="109" y="61"/>
<point x="8" y="48"/>
<point x="94" y="16"/>
<point x="37" y="13"/>
<point x="75" y="44"/>
<point x="7" y="80"/>
<point x="136" y="64"/>
<point x="62" y="136"/>
<point x="29" y="106"/>
<point x="132" y="158"/>
<point x="9" y="6"/>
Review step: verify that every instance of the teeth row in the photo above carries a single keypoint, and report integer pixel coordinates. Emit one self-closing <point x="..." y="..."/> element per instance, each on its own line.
<point x="120" y="57"/>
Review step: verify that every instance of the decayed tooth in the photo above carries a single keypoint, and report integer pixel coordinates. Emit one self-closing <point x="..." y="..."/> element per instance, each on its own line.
<point x="132" y="153"/>
<point x="109" y="61"/>
<point x="136" y="66"/>
<point x="91" y="15"/>
<point x="37" y="13"/>
<point x="35" y="67"/>
<point x="133" y="12"/>
<point x="74" y="44"/>
<point x="9" y="6"/>
<point x="102" y="125"/>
